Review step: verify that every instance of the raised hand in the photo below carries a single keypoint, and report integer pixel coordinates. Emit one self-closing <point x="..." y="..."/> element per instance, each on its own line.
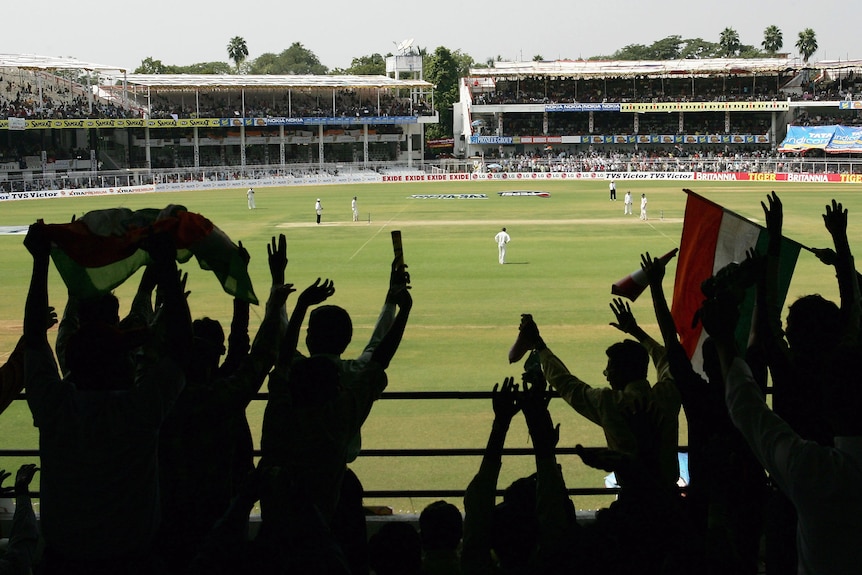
<point x="24" y="477"/>
<point x="534" y="400"/>
<point x="52" y="316"/>
<point x="825" y="255"/>
<point x="276" y="253"/>
<point x="36" y="241"/>
<point x="600" y="457"/>
<point x="529" y="331"/>
<point x="504" y="400"/>
<point x="654" y="268"/>
<point x="279" y="295"/>
<point x="399" y="280"/>
<point x="400" y="296"/>
<point x="316" y="293"/>
<point x="243" y="253"/>
<point x="774" y="214"/>
<point x="626" y="321"/>
<point x="835" y="219"/>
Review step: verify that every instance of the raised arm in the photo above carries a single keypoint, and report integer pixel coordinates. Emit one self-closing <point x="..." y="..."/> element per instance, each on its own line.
<point x="627" y="323"/>
<point x="398" y="276"/>
<point x="171" y="287"/>
<point x="835" y="219"/>
<point x="399" y="294"/>
<point x="554" y="510"/>
<point x="35" y="319"/>
<point x="480" y="495"/>
<point x="312" y="295"/>
<point x="238" y="342"/>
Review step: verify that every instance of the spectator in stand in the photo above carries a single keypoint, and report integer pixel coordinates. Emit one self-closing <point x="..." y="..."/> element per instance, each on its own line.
<point x="395" y="550"/>
<point x="318" y="404"/>
<point x="98" y="426"/>
<point x="820" y="480"/>
<point x="612" y="409"/>
<point x="202" y="453"/>
<point x="799" y="359"/>
<point x="441" y="527"/>
<point x="727" y="487"/>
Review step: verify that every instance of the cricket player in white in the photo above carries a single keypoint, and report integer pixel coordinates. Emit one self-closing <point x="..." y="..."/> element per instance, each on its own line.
<point x="502" y="238"/>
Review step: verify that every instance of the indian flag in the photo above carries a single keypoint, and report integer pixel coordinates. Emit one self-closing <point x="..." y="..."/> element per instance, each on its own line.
<point x="713" y="237"/>
<point x="101" y="250"/>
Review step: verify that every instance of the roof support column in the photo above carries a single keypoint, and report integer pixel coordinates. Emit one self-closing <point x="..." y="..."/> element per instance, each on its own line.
<point x="197" y="147"/>
<point x="281" y="146"/>
<point x="365" y="145"/>
<point x="242" y="136"/>
<point x="320" y="144"/>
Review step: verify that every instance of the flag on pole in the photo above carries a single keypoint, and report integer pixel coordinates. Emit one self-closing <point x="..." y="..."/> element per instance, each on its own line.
<point x="713" y="237"/>
<point x="101" y="250"/>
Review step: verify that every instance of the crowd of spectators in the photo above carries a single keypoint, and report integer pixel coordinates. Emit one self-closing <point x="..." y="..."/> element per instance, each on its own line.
<point x="542" y="90"/>
<point x="300" y="103"/>
<point x="147" y="464"/>
<point x="32" y="96"/>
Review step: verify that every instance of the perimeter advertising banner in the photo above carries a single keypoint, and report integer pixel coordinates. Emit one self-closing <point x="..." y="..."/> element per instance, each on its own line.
<point x="770" y="106"/>
<point x="833" y="139"/>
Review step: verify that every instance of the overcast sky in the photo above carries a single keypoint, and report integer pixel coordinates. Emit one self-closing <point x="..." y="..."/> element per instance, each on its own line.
<point x="183" y="33"/>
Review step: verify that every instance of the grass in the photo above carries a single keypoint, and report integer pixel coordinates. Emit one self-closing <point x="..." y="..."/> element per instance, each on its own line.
<point x="566" y="251"/>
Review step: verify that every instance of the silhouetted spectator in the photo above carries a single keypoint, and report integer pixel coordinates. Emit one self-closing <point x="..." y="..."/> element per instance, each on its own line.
<point x="820" y="480"/>
<point x="197" y="445"/>
<point x="98" y="426"/>
<point x="316" y="411"/>
<point x="395" y="550"/>
<point x="441" y="527"/>
<point x="798" y="358"/>
<point x="629" y="393"/>
<point x="727" y="487"/>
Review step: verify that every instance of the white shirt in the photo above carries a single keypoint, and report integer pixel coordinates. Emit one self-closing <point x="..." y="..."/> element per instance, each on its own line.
<point x="502" y="238"/>
<point x="822" y="482"/>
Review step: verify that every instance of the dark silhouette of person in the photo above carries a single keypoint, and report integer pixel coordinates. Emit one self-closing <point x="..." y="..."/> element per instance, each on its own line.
<point x="99" y="425"/>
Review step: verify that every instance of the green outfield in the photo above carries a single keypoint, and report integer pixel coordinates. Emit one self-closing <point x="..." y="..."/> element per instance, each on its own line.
<point x="566" y="251"/>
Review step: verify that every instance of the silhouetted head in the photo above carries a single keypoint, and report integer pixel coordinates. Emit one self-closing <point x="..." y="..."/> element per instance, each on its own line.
<point x="814" y="326"/>
<point x="395" y="550"/>
<point x="99" y="356"/>
<point x="208" y="342"/>
<point x="514" y="529"/>
<point x="627" y="361"/>
<point x="102" y="309"/>
<point x="329" y="330"/>
<point x="441" y="526"/>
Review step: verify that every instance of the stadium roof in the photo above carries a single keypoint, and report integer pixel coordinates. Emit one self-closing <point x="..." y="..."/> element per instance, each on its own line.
<point x="186" y="82"/>
<point x="626" y="68"/>
<point x="34" y="62"/>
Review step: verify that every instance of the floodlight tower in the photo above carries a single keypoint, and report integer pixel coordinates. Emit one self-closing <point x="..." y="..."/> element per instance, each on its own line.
<point x="406" y="64"/>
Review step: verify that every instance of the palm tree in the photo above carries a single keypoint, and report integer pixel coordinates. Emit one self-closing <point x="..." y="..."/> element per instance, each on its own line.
<point x="807" y="44"/>
<point x="237" y="50"/>
<point x="729" y="42"/>
<point x="538" y="58"/>
<point x="773" y="39"/>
